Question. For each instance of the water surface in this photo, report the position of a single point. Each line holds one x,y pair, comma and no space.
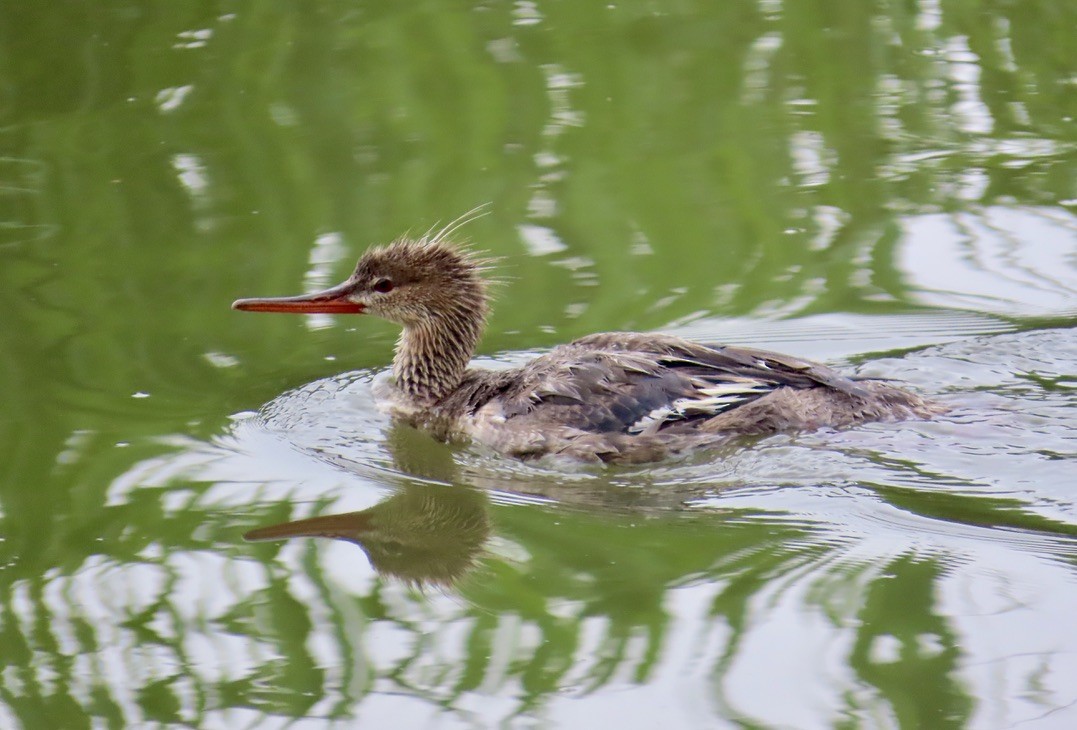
887,188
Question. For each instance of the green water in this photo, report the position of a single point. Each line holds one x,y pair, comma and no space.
889,187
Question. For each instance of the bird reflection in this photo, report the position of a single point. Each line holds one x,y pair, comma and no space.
425,534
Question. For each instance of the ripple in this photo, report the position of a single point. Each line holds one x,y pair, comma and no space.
982,260
996,468
835,335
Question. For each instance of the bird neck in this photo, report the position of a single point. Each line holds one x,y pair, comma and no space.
432,355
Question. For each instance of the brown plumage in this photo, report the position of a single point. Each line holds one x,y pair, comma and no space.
615,397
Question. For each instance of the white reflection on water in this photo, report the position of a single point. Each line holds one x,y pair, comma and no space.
327,251
1015,261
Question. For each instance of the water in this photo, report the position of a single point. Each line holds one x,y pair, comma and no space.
887,189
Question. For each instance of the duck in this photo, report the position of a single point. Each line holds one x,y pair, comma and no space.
607,398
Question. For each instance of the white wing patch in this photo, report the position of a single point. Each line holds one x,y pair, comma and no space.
710,399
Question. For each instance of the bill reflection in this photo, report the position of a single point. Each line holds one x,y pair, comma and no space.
422,535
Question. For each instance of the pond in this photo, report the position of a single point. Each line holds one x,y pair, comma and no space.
886,187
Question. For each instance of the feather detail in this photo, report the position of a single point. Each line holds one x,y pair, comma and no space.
608,397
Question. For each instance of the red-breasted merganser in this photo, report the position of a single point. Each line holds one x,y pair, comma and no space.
613,397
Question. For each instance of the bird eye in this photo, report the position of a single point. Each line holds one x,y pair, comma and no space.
383,286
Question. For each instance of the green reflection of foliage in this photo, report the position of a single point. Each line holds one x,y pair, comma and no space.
679,129
585,562
920,683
